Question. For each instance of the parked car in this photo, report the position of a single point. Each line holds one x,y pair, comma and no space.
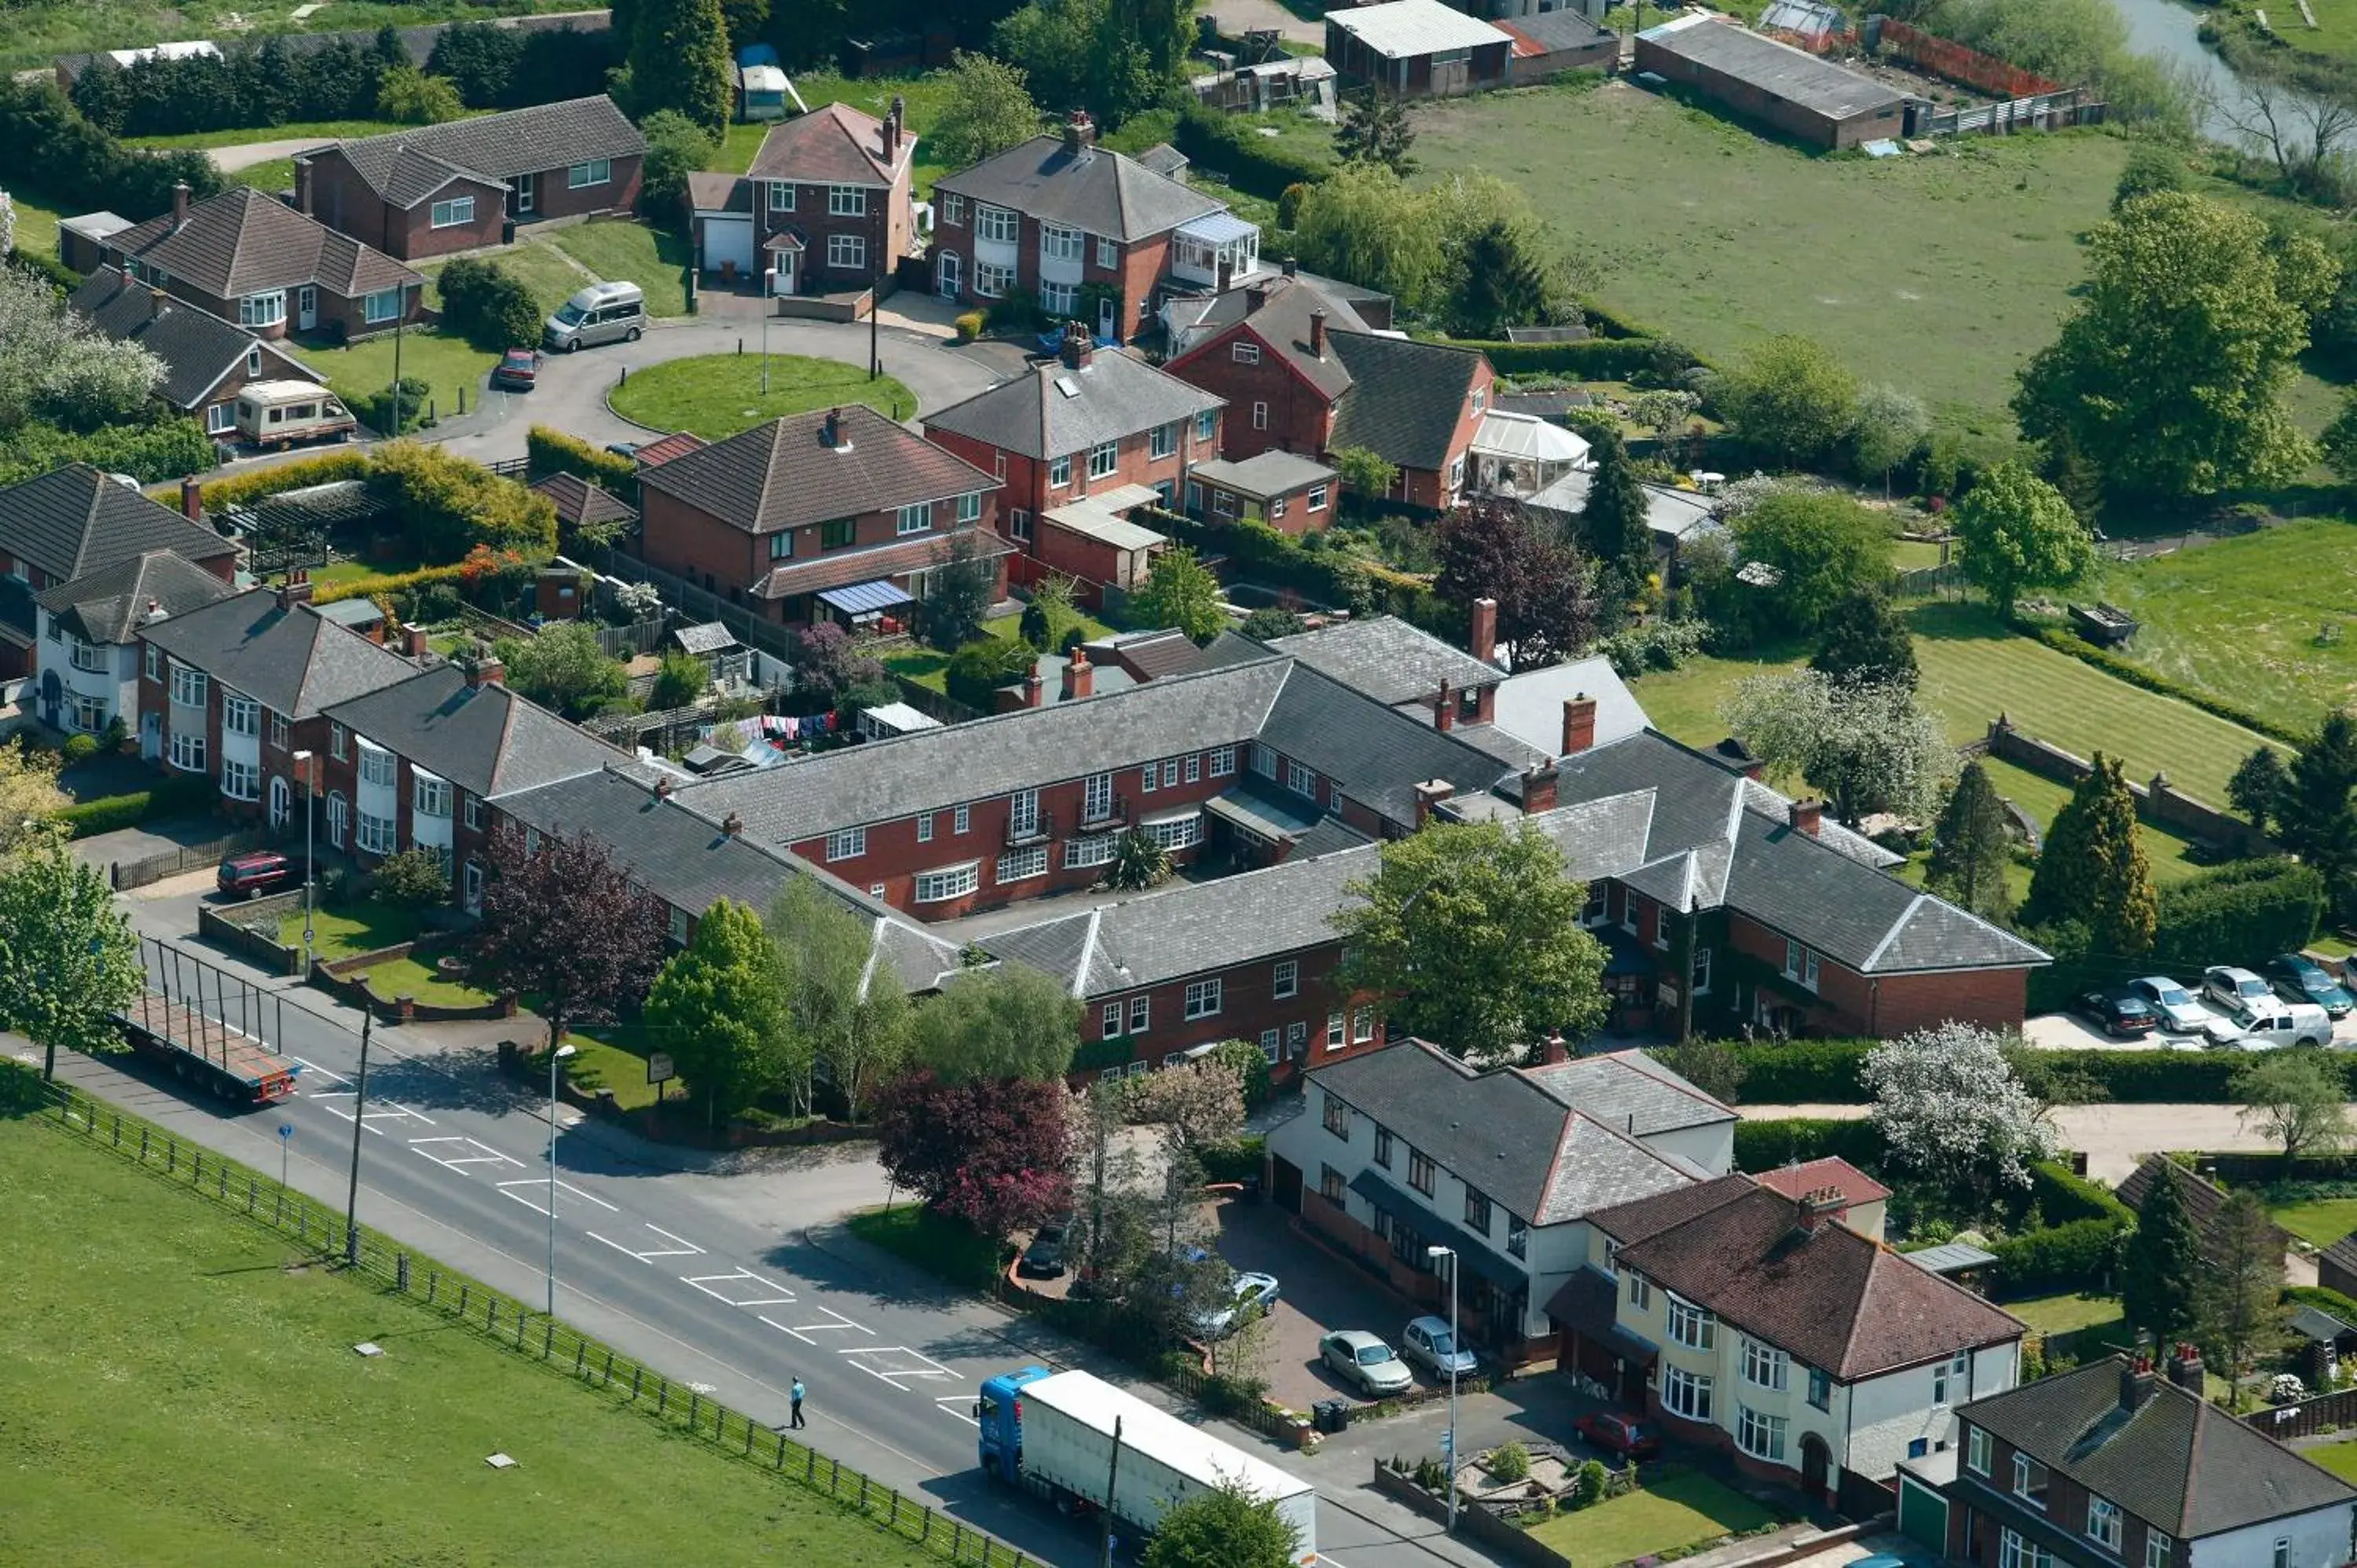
1044,1258
2119,1012
1617,1433
2232,988
1428,1342
518,370
2180,1013
251,876
2299,978
2271,1021
281,413
602,313
1250,1293
1366,1363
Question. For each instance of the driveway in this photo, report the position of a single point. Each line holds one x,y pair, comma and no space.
2115,1138
229,160
1237,18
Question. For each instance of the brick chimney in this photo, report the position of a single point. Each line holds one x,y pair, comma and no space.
192,500
1808,815
1317,334
2185,1369
1034,688
487,672
1079,348
1444,709
732,826
663,787
179,205
1080,132
1818,1207
1553,1049
1734,751
303,187
1079,676
1256,295
1430,794
1539,790
1578,723
1483,632
415,643
2137,1381
295,590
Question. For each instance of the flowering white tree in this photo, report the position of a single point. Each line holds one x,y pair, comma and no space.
1864,742
53,364
7,225
1950,1108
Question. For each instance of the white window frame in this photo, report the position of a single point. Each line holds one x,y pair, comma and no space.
429,796
915,518
1336,1031
2022,1466
847,252
1244,352
1316,497
2159,1548
1363,1025
1765,1365
781,196
1760,1434
952,207
336,737
962,819
241,780
2013,1552
1176,833
1979,1450
947,882
266,310
1108,253
1204,998
2103,1523
1687,1394
1141,1014
969,507
1097,797
1223,761
455,213
1260,416
475,812
596,171
1059,472
992,279
1206,424
188,687
1958,1368
846,844
1000,225
1162,441
471,887
1108,1018
1022,865
221,418
1057,243
279,730
1194,768
1096,850
375,835
378,766
1288,979
1104,460
241,714
1695,1327
847,202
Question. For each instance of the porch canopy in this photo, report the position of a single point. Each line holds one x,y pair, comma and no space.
865,598
1499,1270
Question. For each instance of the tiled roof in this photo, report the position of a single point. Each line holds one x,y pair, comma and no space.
2342,1253
241,241
580,500
841,568
1648,1216
1530,705
1631,1090
2205,1200
199,348
295,662
1167,651
833,146
486,740
710,192
1387,659
74,519
405,166
1406,397
1378,755
1827,1295
782,475
1281,320
1048,410
1804,1177
664,449
107,605
2175,1460
1097,189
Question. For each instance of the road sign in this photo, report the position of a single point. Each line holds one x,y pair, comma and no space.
286,1131
658,1067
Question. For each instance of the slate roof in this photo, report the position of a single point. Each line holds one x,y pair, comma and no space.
199,348
241,241
1405,398
2341,1254
408,165
293,661
73,521
1116,395
1378,755
781,474
1281,321
1389,659
2205,1200
833,146
1164,159
486,740
1096,190
1804,1177
1275,472
1529,707
2315,1322
1631,1090
107,605
1775,68
1545,1160
580,500
1553,32
2175,1461
711,192
1828,1295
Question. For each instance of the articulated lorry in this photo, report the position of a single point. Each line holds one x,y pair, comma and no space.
1053,1434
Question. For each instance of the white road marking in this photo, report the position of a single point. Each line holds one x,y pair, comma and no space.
315,1066
388,1111
960,1406
753,1290
894,1362
804,1331
467,1151
542,1184
685,1248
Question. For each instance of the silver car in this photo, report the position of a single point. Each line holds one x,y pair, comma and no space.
1365,1363
1428,1342
2231,987
1255,1293
2180,1013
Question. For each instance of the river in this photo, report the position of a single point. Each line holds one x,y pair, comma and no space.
2168,30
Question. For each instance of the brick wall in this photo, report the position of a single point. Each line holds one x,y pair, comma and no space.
1298,415
1848,1003
886,226
1249,1006
343,201
1140,265
2159,802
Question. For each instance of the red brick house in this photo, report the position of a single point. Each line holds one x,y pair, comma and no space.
827,204
266,268
207,362
1299,373
1087,422
838,514
429,191
1088,232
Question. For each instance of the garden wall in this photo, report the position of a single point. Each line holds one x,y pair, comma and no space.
252,931
347,980
2159,802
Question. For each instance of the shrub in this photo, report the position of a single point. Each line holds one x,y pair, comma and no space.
1763,1145
978,670
164,449
489,305
2063,1197
682,679
1591,1483
1016,311
970,324
1509,1462
2244,913
2059,1257
1239,1159
554,452
81,747
1803,1072
413,879
1250,1065
415,408
1252,163
117,734
447,504
407,96
676,147
172,797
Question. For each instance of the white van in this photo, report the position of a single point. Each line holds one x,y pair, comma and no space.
602,313
280,414
2262,1026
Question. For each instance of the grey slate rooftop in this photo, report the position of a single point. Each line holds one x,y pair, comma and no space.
1052,409
1275,472
1094,189
293,660
1388,660
1405,396
486,740
198,350
1776,69
75,520
108,605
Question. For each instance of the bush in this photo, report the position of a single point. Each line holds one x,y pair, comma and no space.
409,97
676,147
416,407
79,749
2059,1257
81,166
970,324
1237,1160
489,305
978,670
1591,1484
681,680
172,797
447,504
413,879
554,452
1509,1462
242,489
1250,1067
1763,1145
2063,1197
1803,1072
163,450
1252,163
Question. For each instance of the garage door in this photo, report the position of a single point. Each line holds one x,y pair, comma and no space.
727,239
1923,1514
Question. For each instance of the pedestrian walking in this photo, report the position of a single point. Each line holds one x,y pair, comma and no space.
795,1395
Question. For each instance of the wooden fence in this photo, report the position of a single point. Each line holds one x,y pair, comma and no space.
2325,1413
702,605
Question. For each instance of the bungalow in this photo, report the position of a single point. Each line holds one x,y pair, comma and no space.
207,362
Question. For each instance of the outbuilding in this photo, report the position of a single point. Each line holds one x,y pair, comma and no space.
1812,100
1418,48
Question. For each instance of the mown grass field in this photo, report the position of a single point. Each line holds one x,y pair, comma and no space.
451,366
39,30
654,259
717,395
156,1348
550,273
2320,1220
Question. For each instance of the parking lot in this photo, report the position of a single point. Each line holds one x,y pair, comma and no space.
2070,1031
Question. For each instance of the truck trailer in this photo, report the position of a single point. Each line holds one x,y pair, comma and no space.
1053,1434
205,1052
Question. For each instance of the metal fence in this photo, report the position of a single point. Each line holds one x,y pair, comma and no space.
516,1327
130,874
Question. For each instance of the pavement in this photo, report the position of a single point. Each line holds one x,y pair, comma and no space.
229,160
2115,1138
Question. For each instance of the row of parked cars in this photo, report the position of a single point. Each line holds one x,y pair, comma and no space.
2294,1001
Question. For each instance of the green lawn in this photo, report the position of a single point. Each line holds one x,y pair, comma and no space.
717,395
2085,1324
39,30
407,977
945,1247
36,224
2341,1458
209,1374
545,271
1683,1509
599,1063
2321,1220
931,670
654,259
871,95
359,927
269,177
326,130
454,368
350,571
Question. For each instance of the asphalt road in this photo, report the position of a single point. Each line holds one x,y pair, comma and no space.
454,1163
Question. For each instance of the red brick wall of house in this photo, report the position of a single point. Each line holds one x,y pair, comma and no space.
274,367
618,194
692,544
1428,487
1849,1003
887,226
1025,485
1141,265
1300,416
2065,1500
343,201
1248,1007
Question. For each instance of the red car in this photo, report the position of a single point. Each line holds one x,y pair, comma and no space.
251,876
1617,1434
518,369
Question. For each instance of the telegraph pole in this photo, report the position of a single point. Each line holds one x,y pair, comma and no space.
360,1125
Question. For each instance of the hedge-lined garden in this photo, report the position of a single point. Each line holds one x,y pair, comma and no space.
1825,1073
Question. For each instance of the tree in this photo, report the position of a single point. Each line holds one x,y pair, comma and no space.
1715,1067
958,594
1138,864
998,1023
1364,224
2170,376
1227,1526
676,147
830,664
682,679
488,304
412,879
1788,399
1272,621
447,504
2298,1099
407,96
1865,743
1821,547
1505,278
1468,936
562,921
54,365
1374,130
2312,816
563,668
718,1007
986,109
1971,848
29,800
850,1016
7,226
2019,532
679,60
1664,411
989,1152
2257,787
2239,1301
1888,425
2339,441
1491,548
479,60
1866,638
2093,868
1181,591
68,955
1367,476
1616,522
2160,1268
2152,168
1949,1106
1254,1080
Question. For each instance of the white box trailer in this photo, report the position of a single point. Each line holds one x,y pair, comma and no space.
1062,1428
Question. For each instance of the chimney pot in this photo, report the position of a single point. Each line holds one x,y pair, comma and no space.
1578,723
732,824
2185,1369
1034,688
487,672
1482,634
1808,816
295,590
155,612
1079,678
1080,346
1430,794
1555,1050
192,500
1539,791
1080,132
1444,709
2137,1381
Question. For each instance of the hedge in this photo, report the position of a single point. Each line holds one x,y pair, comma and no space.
2135,674
167,798
48,268
1764,1146
2246,912
387,583
163,450
1253,163
77,166
1589,359
554,452
2060,1257
328,468
1802,1072
1239,1161
2064,1197
2323,1300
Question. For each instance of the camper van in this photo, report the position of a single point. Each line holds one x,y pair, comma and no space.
602,313
280,414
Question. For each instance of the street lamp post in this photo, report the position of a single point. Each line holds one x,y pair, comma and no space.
303,760
1435,1254
558,1054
